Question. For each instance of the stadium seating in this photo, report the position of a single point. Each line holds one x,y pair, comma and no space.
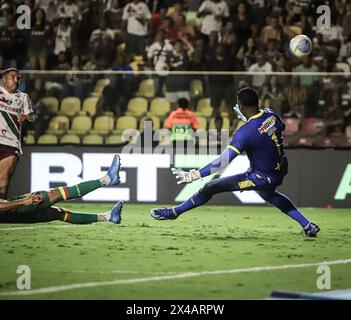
115,139
50,103
305,141
326,142
103,125
70,139
159,107
93,139
223,109
196,88
202,122
70,106
137,107
81,125
125,122
146,88
29,139
203,108
58,125
291,126
90,105
47,139
311,127
225,125
99,87
156,123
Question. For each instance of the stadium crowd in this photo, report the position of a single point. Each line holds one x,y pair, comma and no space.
191,35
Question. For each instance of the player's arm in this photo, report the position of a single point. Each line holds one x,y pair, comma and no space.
203,10
28,111
236,146
6,205
29,117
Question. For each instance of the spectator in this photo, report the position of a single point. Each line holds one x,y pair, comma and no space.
39,41
69,9
76,84
217,141
104,53
113,16
98,34
346,22
211,45
307,66
136,19
170,29
221,86
63,36
113,98
229,40
178,85
274,30
213,12
261,65
176,13
9,41
246,54
181,121
242,23
186,30
295,98
159,55
272,96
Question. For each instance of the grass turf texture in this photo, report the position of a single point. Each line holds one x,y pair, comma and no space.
206,239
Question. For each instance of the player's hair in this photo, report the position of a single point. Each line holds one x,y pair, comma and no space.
183,103
248,97
6,71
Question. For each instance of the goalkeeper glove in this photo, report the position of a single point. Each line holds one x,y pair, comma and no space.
186,176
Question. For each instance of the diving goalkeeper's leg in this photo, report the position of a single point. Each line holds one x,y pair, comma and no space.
283,203
232,183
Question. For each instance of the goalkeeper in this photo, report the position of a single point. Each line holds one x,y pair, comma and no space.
38,206
261,138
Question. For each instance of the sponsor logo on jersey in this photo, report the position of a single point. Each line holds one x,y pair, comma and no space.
267,124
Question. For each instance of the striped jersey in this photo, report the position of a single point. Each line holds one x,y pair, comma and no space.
11,105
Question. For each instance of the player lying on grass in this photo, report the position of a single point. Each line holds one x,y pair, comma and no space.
261,138
38,206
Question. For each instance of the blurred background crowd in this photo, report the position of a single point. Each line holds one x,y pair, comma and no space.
188,35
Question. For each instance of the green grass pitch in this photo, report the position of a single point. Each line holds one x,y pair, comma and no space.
147,259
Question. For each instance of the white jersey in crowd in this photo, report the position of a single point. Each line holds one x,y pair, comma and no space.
137,16
11,105
160,54
210,22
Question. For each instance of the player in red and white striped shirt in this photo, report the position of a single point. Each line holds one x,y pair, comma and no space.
15,108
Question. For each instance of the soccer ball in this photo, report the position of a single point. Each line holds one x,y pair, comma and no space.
300,46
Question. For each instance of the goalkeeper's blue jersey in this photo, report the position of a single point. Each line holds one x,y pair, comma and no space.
261,137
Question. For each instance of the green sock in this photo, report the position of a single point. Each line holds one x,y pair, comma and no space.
79,190
78,217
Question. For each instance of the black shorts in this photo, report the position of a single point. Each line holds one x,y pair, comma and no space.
7,151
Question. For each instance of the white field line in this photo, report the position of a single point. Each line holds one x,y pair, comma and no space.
166,277
44,227
120,271
89,225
